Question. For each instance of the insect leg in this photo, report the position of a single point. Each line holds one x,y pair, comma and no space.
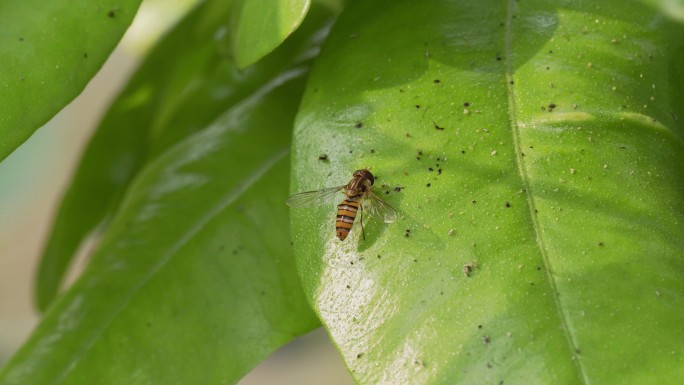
363,232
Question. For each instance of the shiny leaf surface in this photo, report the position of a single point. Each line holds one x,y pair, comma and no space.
194,281
533,152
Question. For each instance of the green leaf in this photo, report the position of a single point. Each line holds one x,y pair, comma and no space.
123,141
48,53
259,26
194,281
170,97
533,152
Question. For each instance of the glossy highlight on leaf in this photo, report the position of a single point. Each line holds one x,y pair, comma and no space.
532,150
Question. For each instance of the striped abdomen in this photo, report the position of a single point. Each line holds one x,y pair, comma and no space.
346,213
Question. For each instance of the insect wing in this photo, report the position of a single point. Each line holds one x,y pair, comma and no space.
379,209
313,198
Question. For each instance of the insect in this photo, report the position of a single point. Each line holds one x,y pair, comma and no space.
359,198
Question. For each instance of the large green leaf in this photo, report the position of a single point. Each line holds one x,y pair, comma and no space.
536,150
49,50
185,83
194,281
259,26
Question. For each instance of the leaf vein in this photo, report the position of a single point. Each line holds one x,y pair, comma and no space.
229,198
515,132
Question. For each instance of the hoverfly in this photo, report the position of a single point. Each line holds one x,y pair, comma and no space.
359,198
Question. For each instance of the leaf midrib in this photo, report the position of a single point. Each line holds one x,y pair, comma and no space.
529,196
229,198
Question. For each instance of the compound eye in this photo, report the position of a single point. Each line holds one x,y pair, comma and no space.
365,174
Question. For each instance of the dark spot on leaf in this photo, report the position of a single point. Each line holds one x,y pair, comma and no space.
439,171
486,340
85,55
323,157
437,81
359,355
112,13
511,82
398,189
463,152
417,105
466,104
430,169
473,201
428,185
438,127
372,150
601,244
21,39
358,125
508,204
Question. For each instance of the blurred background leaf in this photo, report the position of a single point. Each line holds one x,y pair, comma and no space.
194,281
170,97
48,53
533,151
259,26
